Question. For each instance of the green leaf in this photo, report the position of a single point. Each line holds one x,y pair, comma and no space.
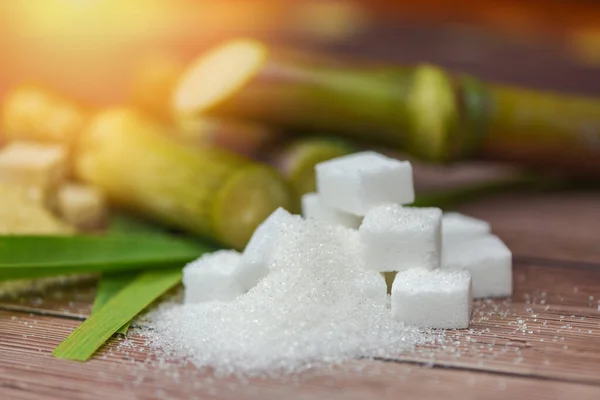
88,337
26,257
108,286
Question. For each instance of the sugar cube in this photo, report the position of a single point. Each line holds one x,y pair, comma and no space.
396,238
487,259
373,287
259,251
358,182
456,226
33,164
80,205
210,278
313,207
432,299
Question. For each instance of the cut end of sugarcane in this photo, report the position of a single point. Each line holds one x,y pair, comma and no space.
214,76
245,201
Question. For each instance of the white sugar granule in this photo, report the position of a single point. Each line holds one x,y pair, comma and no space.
308,312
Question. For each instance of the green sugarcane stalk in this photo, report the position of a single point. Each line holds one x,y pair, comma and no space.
423,109
543,129
207,191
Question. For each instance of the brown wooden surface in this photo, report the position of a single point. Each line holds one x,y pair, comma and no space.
542,343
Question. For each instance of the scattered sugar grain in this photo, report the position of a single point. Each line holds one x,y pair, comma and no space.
307,313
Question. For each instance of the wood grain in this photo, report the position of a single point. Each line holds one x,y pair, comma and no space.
28,371
542,343
73,301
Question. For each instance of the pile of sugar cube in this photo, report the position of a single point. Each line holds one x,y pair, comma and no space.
442,261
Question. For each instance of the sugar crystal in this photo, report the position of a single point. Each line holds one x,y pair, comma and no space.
318,306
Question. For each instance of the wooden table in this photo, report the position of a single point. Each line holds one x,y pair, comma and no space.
542,343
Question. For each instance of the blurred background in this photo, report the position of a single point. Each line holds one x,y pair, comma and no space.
90,49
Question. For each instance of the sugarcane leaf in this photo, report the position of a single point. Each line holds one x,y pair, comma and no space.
88,337
108,286
23,257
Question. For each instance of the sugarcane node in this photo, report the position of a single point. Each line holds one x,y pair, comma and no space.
475,106
433,114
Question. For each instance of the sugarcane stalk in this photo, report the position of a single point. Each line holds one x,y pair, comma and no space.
207,191
423,109
544,129
410,107
245,138
136,162
293,158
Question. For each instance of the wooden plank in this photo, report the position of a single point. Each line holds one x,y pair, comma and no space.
73,300
27,371
550,328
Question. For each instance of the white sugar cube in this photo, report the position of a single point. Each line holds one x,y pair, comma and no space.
210,278
358,182
259,251
314,208
487,259
432,299
396,238
456,226
373,287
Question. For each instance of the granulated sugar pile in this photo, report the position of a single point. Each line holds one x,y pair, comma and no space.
309,292
308,311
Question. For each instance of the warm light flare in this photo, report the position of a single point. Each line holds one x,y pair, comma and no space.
86,19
